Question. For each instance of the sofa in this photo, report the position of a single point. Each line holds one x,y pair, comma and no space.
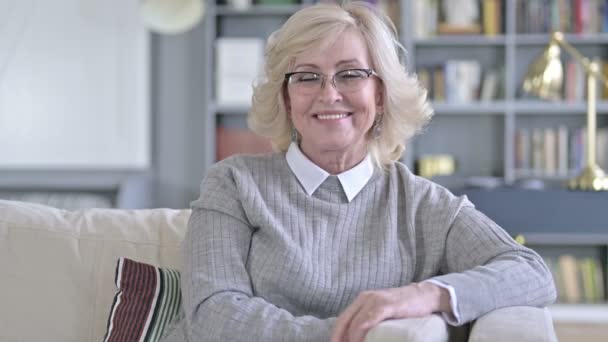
59,273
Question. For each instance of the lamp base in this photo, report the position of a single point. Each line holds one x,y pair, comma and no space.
592,178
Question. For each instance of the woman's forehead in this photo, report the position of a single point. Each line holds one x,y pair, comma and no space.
348,47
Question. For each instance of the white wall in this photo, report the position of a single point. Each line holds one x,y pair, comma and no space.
73,85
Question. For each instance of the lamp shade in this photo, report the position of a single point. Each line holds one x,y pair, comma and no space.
171,16
545,76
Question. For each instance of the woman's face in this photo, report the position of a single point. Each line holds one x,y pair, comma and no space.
332,120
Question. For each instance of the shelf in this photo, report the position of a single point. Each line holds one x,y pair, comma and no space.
94,180
260,10
231,109
542,107
528,173
581,313
460,40
543,39
473,108
560,239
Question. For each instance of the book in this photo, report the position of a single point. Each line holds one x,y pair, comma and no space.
569,271
578,149
426,14
239,62
459,17
537,151
522,149
492,17
462,80
562,150
599,282
604,90
588,270
601,147
439,84
564,10
574,81
550,152
230,141
489,86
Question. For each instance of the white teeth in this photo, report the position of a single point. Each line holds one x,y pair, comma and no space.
331,116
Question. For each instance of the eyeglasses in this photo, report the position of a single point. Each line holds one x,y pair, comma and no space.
345,81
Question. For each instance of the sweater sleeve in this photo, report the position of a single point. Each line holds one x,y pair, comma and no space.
489,270
218,299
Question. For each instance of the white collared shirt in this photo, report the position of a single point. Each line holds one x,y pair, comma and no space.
311,176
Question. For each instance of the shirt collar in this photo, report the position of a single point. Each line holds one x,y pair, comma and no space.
312,176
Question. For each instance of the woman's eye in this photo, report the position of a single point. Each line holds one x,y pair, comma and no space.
350,74
307,78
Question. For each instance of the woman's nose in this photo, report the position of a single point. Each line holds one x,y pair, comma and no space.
329,93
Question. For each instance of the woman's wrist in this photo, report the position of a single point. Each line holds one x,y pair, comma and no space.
439,296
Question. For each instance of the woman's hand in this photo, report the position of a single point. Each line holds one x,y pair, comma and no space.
373,307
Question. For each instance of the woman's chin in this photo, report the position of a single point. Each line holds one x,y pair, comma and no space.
338,146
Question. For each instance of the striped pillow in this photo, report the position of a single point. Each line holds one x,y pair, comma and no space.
146,300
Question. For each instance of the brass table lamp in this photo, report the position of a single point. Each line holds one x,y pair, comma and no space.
545,78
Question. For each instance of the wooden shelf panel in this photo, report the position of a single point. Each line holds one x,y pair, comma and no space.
476,108
542,107
231,109
528,173
544,38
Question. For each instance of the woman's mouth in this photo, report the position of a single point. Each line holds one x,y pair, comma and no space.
336,116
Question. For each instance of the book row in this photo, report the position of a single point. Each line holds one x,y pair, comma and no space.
556,151
457,17
570,16
578,279
460,81
532,16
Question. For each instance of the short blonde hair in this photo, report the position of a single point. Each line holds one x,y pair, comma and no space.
406,109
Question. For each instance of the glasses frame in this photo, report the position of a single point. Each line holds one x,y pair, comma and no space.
324,77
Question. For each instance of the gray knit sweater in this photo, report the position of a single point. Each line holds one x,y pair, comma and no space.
264,261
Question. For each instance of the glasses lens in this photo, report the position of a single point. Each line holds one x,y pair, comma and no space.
306,82
350,80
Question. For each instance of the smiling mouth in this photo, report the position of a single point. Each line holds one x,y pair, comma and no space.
332,116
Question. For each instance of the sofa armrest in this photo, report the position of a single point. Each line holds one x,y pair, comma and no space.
516,323
431,328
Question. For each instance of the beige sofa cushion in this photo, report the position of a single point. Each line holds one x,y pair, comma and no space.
515,323
58,266
423,329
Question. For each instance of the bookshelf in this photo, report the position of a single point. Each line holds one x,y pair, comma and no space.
558,224
509,52
495,120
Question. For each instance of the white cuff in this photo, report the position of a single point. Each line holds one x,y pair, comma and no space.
455,317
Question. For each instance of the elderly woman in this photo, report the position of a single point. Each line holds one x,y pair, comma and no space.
331,235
